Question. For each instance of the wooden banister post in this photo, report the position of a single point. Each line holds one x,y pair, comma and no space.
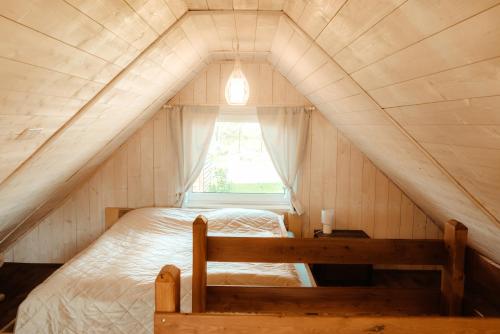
168,290
452,275
199,290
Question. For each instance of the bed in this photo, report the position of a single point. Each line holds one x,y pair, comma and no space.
109,287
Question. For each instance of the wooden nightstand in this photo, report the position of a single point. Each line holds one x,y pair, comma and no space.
342,274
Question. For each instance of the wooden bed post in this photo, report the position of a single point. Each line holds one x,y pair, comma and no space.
199,290
168,290
293,223
452,275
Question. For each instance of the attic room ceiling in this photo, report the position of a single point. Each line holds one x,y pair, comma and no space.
413,84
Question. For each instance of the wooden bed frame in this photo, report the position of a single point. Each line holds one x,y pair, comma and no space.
293,223
247,309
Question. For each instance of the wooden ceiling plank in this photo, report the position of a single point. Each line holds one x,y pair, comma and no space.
353,19
469,81
25,45
466,111
226,30
155,13
473,40
246,24
312,59
324,75
245,4
408,24
265,31
283,35
317,14
196,4
197,41
69,25
295,8
22,103
119,18
272,4
296,47
178,7
220,4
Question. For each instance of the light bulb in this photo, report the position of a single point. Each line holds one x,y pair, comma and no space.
237,90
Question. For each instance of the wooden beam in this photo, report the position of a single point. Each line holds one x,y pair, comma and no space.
333,300
168,290
334,251
452,276
177,323
199,282
293,223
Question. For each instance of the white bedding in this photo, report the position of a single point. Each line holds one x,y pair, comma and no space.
109,287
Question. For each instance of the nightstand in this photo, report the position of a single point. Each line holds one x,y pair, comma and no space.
342,274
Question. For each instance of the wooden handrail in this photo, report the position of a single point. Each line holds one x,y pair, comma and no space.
448,253
344,300
333,251
177,323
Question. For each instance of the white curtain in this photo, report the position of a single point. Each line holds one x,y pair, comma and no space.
191,129
285,132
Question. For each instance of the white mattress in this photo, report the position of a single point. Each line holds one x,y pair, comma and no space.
109,287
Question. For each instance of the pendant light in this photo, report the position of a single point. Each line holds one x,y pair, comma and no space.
237,89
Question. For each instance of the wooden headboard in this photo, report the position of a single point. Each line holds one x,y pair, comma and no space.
111,215
293,222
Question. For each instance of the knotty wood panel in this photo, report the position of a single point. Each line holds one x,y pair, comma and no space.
138,174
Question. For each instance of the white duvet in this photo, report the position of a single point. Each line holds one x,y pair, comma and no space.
109,287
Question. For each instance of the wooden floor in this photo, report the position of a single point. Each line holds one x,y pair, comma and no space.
16,281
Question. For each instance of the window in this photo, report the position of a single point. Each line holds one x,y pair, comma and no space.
238,170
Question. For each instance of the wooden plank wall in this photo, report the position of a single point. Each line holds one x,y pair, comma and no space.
335,174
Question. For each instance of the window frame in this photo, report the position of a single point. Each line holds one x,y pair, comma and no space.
277,202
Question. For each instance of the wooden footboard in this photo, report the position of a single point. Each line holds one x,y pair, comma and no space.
298,309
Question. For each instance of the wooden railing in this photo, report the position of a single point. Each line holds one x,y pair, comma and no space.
448,253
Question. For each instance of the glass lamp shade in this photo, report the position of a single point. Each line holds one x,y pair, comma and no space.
237,89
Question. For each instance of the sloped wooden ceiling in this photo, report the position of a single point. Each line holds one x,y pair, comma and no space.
414,84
